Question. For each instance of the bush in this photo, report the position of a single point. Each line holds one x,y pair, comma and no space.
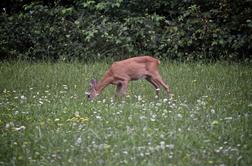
91,30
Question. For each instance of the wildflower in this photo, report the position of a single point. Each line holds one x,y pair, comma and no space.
179,116
65,87
228,118
77,114
125,152
210,162
56,120
153,118
170,146
78,119
139,98
8,125
23,97
78,141
172,96
142,117
98,117
20,128
162,145
212,111
165,100
215,122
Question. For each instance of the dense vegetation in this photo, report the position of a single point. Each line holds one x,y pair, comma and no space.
92,29
46,120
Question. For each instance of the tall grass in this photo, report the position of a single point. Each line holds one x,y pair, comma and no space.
45,118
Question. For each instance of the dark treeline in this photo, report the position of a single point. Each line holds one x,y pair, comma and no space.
94,29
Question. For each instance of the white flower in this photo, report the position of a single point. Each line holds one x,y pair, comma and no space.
23,97
142,117
228,118
170,146
125,152
98,117
77,113
56,120
20,128
78,141
179,116
8,125
162,145
153,120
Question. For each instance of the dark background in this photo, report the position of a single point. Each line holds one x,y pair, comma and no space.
187,30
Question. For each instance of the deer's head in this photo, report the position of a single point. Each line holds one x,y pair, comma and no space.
92,93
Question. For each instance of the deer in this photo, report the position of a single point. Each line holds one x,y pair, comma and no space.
121,72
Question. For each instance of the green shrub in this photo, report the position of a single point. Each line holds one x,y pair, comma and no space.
91,30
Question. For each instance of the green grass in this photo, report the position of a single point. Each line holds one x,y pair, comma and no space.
45,118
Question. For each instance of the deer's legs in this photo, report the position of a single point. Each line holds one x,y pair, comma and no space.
157,87
161,83
118,88
122,88
158,80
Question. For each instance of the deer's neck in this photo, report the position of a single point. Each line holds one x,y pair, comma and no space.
102,84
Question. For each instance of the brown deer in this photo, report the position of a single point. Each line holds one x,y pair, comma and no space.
121,72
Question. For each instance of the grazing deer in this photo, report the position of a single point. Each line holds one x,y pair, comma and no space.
121,72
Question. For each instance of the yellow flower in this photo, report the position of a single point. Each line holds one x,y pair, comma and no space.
78,119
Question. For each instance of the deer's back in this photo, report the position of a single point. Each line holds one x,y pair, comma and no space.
134,68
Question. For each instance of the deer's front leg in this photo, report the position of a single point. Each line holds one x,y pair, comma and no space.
156,86
158,80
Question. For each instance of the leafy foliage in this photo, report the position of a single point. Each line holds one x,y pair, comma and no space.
91,29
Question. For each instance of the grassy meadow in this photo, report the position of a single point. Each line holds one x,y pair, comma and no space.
45,118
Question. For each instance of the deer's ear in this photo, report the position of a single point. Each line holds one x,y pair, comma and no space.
93,82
